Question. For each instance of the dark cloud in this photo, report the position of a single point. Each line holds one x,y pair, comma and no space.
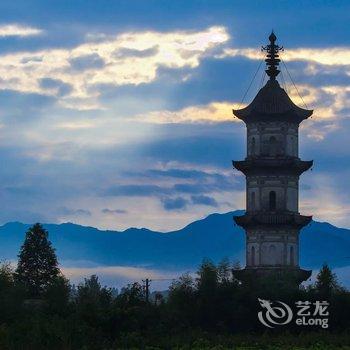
61,87
212,81
136,190
87,62
178,173
216,183
126,52
177,203
180,203
204,200
178,88
70,212
23,107
325,75
205,144
33,58
113,211
191,188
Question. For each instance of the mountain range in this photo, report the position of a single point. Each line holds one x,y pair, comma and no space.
214,237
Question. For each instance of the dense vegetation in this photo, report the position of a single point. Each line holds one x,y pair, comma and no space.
39,309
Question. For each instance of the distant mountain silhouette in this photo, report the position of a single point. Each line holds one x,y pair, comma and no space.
214,237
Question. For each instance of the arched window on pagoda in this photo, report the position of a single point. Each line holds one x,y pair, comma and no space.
253,147
272,254
292,146
272,201
252,200
291,254
273,146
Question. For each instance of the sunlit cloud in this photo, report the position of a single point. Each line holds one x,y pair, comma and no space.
324,56
213,112
76,125
330,105
130,58
18,30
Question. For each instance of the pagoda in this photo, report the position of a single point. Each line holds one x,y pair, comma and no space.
272,168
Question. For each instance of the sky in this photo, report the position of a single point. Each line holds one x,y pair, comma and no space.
118,114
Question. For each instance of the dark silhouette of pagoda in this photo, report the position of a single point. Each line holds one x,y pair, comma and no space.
272,167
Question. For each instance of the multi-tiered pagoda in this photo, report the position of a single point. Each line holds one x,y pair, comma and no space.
272,167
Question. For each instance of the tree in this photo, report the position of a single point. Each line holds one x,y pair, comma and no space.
37,262
207,288
93,300
132,295
10,295
207,280
224,271
326,281
58,295
91,292
181,302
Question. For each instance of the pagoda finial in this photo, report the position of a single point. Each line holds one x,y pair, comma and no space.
272,60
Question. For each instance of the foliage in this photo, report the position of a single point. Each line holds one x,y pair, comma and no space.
37,262
326,282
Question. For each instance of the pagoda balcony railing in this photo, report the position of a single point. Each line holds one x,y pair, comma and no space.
250,219
252,165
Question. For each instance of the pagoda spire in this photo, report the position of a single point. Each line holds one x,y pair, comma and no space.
272,58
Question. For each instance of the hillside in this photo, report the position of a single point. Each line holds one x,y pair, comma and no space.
214,237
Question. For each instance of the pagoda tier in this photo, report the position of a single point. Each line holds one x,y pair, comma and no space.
272,104
263,220
256,166
283,274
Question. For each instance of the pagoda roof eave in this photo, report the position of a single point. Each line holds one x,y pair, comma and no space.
256,166
294,116
272,103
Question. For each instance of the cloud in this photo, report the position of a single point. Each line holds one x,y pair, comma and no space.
213,112
136,190
113,211
322,74
92,64
337,56
188,172
330,104
57,86
217,183
325,201
177,203
119,275
177,173
205,200
180,203
126,52
87,62
73,212
18,30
